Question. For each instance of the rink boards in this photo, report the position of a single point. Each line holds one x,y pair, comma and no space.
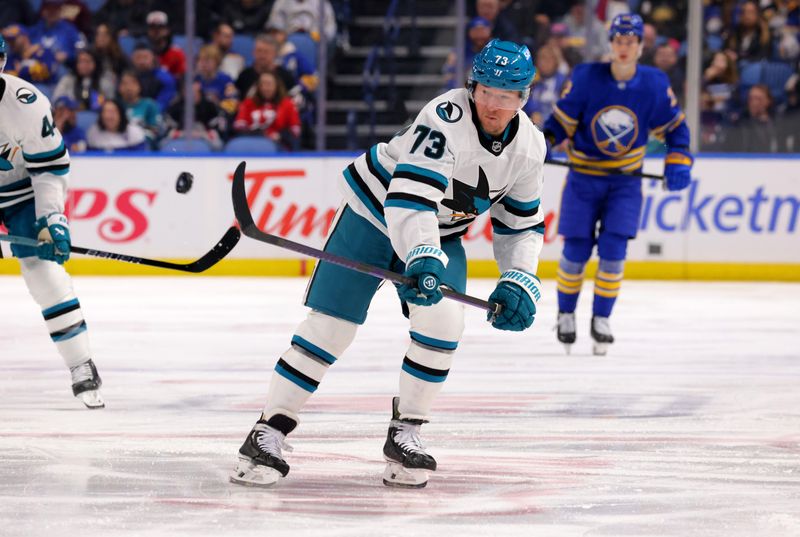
738,219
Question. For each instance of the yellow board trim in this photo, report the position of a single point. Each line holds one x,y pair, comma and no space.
634,270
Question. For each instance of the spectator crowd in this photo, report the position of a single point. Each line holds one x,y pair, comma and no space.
115,69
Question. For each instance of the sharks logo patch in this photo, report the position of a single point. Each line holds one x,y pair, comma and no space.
449,111
470,201
26,96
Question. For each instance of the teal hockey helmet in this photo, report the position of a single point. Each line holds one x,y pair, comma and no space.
503,65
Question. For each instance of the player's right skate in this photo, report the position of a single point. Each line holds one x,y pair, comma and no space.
261,461
86,384
601,334
566,329
407,464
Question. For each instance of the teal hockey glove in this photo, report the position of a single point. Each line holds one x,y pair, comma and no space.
678,169
517,292
54,238
425,264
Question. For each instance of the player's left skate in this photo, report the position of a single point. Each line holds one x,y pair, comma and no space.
601,335
86,384
261,461
407,463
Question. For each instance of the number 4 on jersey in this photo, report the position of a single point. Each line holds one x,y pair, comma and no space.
48,127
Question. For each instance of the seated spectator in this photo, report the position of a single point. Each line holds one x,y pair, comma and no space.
232,63
666,60
578,20
720,80
756,131
67,124
265,59
479,32
501,26
85,83
26,60
302,69
54,33
246,16
750,39
649,43
159,35
111,60
303,16
269,111
569,54
217,87
547,86
77,13
113,132
142,111
209,121
16,12
128,17
156,82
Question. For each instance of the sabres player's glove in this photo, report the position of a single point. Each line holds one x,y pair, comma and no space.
425,265
517,292
54,239
678,168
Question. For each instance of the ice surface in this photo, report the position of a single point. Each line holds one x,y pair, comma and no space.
690,426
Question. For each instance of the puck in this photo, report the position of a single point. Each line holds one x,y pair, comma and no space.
184,182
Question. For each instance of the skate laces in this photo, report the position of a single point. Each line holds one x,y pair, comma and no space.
602,325
82,372
565,323
407,436
271,440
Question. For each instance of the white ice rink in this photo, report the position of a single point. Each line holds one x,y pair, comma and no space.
691,426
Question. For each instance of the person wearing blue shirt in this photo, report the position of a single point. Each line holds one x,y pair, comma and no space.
605,114
66,121
55,34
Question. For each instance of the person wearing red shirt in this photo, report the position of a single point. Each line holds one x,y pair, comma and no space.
172,58
270,111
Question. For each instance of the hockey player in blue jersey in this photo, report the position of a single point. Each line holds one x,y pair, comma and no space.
605,113
34,169
407,204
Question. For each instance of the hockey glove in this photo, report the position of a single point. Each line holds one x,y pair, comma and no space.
425,264
54,239
517,292
678,168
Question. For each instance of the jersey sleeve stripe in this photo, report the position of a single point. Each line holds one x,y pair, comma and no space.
520,208
46,156
409,171
420,179
55,169
357,185
375,167
403,200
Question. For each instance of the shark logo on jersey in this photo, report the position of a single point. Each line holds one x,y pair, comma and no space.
449,111
615,129
5,162
471,201
26,96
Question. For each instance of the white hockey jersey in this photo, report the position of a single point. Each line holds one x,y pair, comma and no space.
34,163
435,176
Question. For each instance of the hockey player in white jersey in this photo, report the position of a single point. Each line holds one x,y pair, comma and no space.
407,203
34,169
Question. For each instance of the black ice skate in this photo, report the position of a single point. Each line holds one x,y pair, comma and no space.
407,463
601,334
261,461
86,384
566,329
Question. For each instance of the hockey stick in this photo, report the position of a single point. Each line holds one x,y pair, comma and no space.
220,250
615,171
242,211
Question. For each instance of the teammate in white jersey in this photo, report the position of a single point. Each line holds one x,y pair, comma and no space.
34,169
407,203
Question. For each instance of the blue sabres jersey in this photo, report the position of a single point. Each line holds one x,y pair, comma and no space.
608,122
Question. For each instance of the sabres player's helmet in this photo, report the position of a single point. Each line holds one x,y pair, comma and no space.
3,54
626,24
503,65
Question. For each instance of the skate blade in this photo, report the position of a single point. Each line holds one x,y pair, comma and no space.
600,349
92,399
254,475
395,475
